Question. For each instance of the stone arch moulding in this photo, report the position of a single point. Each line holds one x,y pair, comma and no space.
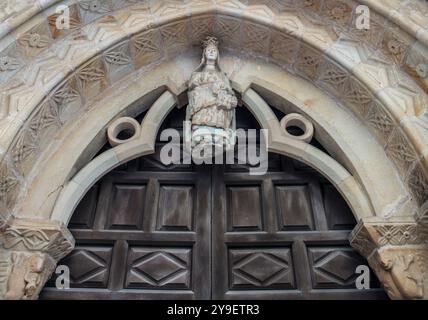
52,80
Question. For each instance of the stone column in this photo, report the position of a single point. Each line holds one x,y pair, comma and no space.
29,252
397,251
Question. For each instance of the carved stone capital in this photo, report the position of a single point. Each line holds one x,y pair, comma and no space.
23,274
402,270
397,251
29,251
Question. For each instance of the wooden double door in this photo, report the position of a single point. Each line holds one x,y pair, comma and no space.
149,231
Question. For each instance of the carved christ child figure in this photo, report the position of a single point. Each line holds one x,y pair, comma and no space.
211,98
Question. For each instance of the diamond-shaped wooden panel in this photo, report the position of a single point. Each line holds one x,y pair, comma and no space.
261,268
334,267
89,266
163,268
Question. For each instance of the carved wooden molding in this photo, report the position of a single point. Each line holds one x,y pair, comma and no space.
29,251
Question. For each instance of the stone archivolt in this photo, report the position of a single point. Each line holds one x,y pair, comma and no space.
49,76
359,77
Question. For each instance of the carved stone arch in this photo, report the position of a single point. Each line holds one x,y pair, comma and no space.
380,87
278,142
94,123
366,93
62,165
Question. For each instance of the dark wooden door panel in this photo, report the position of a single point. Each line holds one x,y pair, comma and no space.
126,210
293,207
337,212
142,235
282,235
175,211
90,265
147,234
153,231
213,232
244,208
159,268
260,268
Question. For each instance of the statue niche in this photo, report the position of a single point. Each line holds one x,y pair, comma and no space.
210,115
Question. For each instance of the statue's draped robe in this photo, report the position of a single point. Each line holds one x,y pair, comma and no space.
211,99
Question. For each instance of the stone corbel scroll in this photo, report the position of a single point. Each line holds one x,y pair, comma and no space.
29,252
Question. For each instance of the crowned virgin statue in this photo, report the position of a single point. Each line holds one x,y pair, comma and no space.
212,103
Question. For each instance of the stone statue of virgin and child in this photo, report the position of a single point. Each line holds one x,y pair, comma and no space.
211,110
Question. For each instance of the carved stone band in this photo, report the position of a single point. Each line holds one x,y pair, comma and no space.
29,251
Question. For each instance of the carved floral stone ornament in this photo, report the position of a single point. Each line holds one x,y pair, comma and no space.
95,6
35,40
210,114
8,64
395,46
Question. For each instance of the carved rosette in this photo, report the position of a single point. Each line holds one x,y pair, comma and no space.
29,252
397,251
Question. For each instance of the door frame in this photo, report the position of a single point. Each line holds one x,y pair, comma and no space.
277,141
